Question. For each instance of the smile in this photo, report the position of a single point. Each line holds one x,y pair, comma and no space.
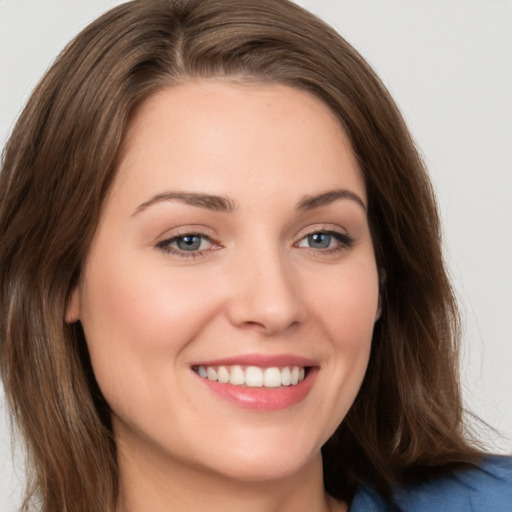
253,376
259,382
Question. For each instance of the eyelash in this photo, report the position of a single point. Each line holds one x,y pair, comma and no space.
166,247
345,241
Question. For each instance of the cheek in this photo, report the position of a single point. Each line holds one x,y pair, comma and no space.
349,303
143,305
347,310
138,322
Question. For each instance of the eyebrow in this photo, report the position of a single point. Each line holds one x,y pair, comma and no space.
325,198
226,205
208,201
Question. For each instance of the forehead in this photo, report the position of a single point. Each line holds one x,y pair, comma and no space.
198,134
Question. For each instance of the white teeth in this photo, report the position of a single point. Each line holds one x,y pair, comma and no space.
253,376
237,376
272,378
286,376
223,374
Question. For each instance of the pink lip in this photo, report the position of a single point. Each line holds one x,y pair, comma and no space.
262,399
261,360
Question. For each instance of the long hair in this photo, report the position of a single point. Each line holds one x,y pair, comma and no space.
59,163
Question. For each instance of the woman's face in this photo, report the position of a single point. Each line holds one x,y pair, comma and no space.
230,292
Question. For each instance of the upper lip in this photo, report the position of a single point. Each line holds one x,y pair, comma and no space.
261,360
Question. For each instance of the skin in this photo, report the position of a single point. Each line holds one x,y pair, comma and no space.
257,285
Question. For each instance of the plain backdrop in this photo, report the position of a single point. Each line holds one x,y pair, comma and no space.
448,64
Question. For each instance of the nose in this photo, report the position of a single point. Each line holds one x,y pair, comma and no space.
265,295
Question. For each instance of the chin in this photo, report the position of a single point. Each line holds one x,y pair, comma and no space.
262,471
265,464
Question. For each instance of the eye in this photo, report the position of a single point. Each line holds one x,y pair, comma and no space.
190,242
326,241
318,241
186,244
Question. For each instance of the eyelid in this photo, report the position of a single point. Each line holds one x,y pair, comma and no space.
345,239
186,229
174,238
165,241
322,228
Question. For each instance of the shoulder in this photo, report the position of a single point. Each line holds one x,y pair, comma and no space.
482,489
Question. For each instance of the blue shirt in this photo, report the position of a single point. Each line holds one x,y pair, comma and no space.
484,489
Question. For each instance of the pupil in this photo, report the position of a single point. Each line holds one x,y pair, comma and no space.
189,243
320,240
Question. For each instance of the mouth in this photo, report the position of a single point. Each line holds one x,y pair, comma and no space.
254,376
258,382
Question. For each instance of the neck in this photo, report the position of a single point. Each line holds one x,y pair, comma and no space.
162,486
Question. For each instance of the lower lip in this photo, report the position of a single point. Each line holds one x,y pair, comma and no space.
263,399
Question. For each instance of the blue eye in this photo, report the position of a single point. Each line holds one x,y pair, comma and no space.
319,240
326,241
187,244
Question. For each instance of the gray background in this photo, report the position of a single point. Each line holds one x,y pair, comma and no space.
448,63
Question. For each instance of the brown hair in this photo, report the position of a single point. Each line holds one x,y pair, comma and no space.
57,169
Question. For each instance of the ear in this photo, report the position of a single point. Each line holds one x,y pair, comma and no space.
73,306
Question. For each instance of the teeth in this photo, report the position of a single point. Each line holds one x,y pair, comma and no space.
253,376
272,378
237,376
294,379
223,374
286,376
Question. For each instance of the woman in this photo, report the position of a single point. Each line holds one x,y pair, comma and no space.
222,283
